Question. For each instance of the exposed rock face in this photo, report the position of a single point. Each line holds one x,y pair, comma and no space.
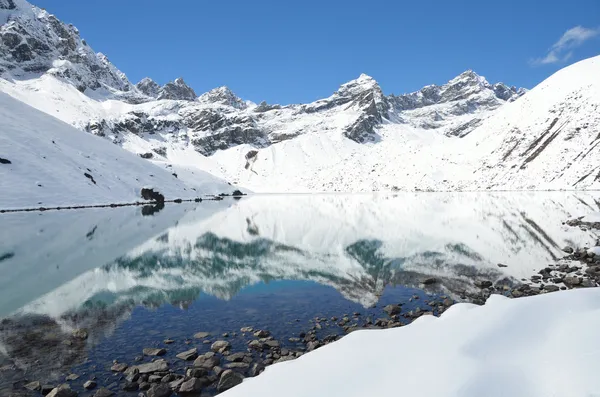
177,90
223,96
148,87
34,41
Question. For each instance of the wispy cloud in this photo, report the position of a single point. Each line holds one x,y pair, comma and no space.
562,50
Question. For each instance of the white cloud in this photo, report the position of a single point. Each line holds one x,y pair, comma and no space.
561,51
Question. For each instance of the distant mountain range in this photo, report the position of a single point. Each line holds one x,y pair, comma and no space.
467,134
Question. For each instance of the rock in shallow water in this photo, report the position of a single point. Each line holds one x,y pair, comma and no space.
103,393
90,384
188,355
151,351
161,390
228,380
62,391
207,361
34,386
220,346
192,385
156,366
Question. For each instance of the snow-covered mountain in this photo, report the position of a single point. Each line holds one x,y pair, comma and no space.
465,134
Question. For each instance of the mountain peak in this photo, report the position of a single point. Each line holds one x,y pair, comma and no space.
177,90
148,87
222,95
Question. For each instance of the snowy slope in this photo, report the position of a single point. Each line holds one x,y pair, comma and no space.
550,138
52,163
529,347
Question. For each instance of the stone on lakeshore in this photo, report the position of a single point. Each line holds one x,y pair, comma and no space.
551,288
228,380
246,329
159,390
103,392
90,384
118,367
130,386
235,357
220,346
72,377
152,351
430,281
483,283
81,334
188,355
145,386
254,344
168,378
201,335
271,343
207,361
196,372
240,365
571,280
168,341
218,370
192,385
389,309
34,386
256,369
262,333
62,391
156,366
568,250
176,384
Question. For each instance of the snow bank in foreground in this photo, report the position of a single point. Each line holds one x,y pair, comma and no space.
542,346
46,162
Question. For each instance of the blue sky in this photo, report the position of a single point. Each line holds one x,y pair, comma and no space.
298,51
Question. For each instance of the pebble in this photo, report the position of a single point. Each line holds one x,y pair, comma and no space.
201,335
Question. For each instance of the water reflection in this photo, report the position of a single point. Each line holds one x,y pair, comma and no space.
90,269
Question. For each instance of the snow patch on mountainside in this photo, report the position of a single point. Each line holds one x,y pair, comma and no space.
49,163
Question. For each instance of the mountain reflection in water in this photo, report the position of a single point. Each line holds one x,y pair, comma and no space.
67,271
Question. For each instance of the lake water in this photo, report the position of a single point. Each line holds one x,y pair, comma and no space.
134,277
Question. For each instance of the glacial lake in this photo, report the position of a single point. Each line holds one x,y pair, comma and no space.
134,277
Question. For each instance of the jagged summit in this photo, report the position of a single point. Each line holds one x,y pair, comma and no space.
34,42
148,87
224,96
177,90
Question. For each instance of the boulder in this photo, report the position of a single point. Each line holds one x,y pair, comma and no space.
159,390
151,351
228,379
220,346
188,355
193,385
